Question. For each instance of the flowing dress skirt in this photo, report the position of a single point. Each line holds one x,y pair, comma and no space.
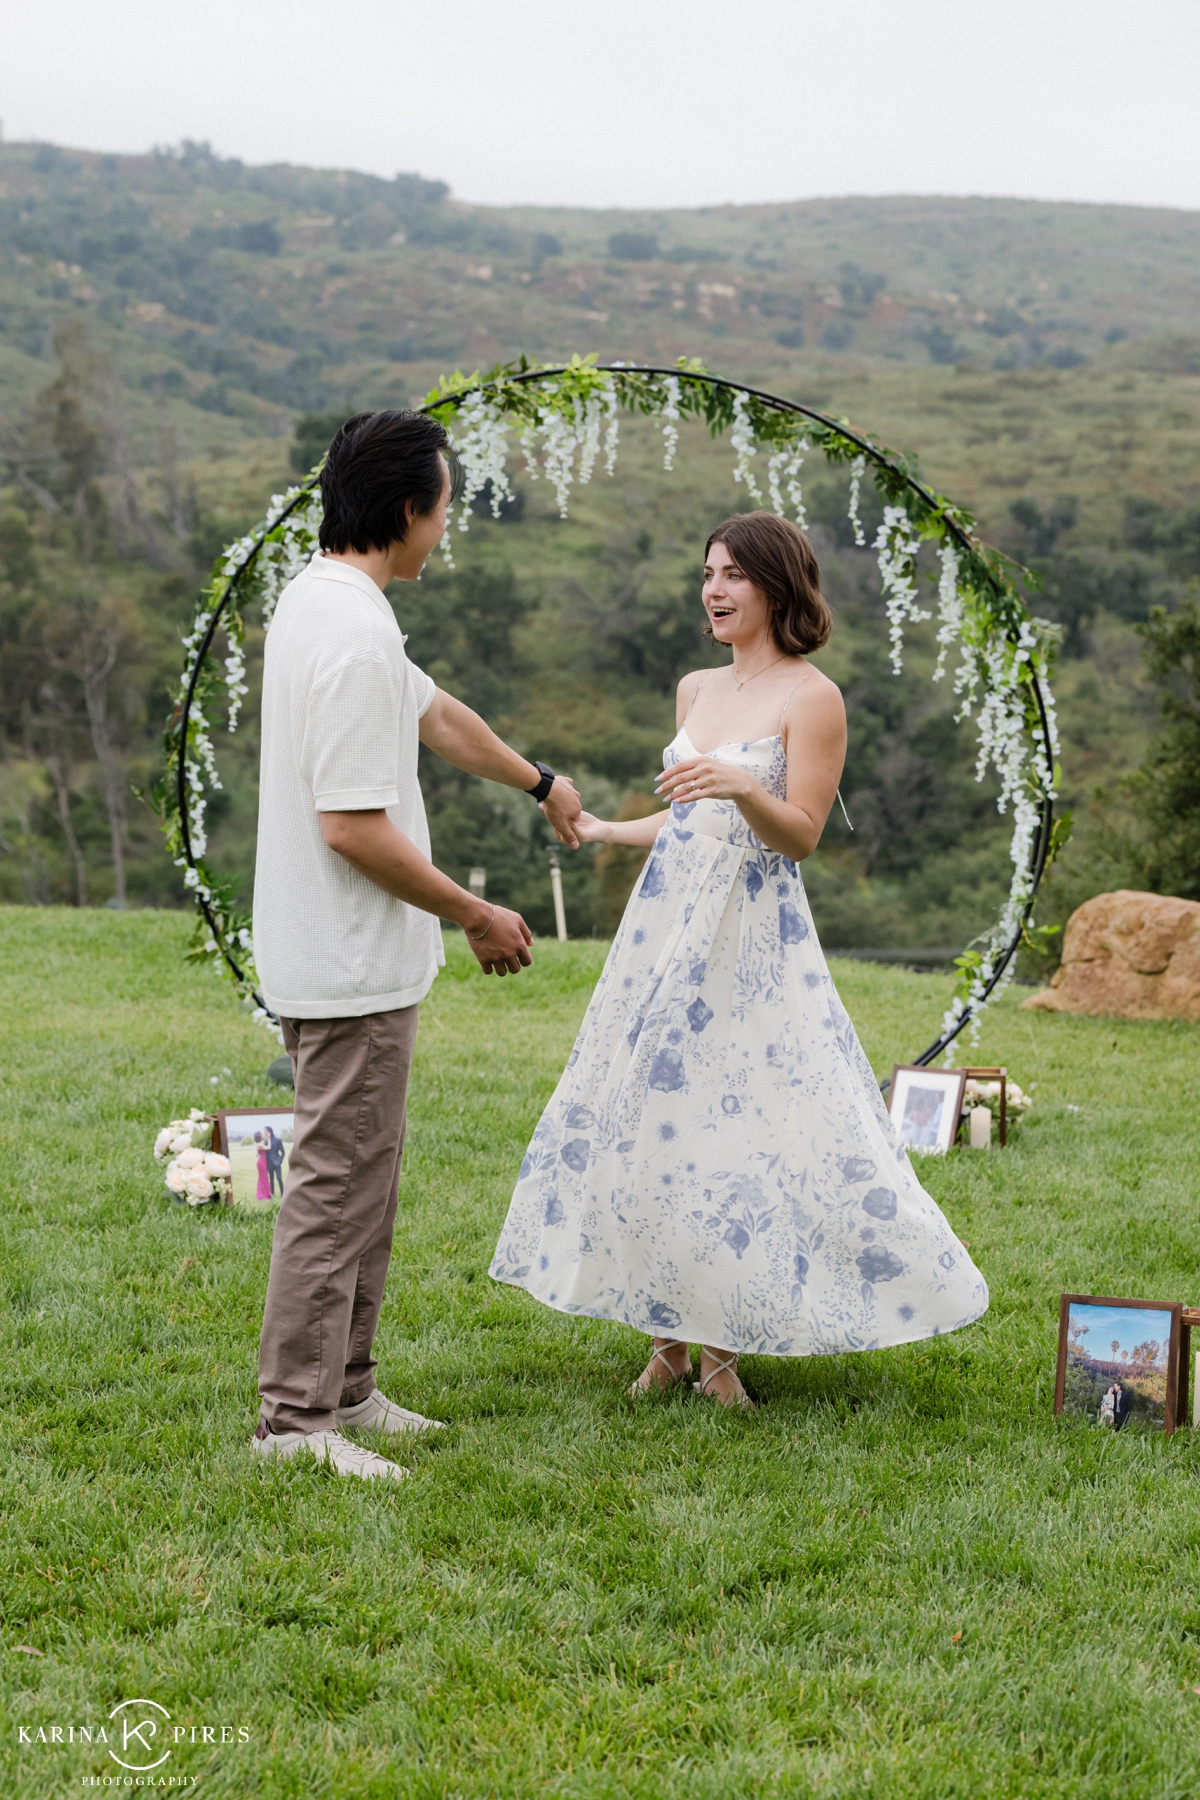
716,1163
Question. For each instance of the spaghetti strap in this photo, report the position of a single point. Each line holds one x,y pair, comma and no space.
787,702
783,716
687,715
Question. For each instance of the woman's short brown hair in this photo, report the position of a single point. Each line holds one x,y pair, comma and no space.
777,557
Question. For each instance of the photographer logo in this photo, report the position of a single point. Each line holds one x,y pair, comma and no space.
139,1736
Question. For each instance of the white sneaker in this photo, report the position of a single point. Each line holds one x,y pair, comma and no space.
378,1413
330,1447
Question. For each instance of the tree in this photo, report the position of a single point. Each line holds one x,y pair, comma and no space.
76,641
1166,789
67,444
1042,530
86,647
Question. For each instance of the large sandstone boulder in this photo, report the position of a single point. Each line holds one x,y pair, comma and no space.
1132,956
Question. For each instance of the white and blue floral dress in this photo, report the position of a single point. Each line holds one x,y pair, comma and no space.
716,1163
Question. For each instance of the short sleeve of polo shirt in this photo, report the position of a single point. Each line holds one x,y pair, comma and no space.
353,731
424,687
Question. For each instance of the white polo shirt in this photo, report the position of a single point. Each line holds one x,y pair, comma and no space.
340,711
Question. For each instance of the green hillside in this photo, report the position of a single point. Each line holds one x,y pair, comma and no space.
255,290
166,320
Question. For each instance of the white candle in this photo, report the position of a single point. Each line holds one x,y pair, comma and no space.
981,1127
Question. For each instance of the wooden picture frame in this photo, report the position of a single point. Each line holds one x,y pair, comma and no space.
1121,1371
913,1127
1000,1075
231,1141
1191,1316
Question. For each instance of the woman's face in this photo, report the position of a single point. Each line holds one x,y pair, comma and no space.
739,612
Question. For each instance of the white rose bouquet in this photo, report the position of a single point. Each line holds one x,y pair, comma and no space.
987,1093
195,1173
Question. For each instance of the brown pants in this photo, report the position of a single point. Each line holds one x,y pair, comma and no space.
333,1236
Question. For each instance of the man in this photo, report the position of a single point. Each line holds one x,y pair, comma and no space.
275,1155
1120,1406
922,1116
346,911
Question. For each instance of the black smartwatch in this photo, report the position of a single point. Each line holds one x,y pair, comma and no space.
545,784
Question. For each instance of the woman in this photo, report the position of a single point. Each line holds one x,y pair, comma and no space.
263,1191
716,1164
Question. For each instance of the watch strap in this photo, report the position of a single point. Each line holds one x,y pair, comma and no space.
545,783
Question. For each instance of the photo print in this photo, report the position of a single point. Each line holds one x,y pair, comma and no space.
1118,1362
926,1107
258,1144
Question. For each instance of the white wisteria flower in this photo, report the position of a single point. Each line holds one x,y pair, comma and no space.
745,446
857,470
897,544
784,465
670,418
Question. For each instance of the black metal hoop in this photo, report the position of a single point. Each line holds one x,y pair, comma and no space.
181,773
1041,845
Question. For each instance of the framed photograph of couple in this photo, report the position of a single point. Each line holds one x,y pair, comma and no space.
926,1106
258,1143
1122,1363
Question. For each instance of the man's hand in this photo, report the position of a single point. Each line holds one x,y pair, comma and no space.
504,948
562,806
374,846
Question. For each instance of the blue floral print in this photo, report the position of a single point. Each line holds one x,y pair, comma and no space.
716,1162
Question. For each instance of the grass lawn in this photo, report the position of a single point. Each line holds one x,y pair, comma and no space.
901,1577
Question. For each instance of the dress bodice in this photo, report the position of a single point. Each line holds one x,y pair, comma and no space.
764,758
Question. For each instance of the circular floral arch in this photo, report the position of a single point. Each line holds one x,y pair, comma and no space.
568,419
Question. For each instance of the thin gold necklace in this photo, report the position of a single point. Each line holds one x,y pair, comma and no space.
741,684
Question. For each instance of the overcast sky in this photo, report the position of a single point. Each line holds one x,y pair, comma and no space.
638,102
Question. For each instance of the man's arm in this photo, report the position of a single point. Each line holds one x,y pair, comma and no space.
459,736
373,845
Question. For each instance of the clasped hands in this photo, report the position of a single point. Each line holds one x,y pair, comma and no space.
562,806
697,778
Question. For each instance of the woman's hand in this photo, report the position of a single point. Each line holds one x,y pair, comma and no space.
704,778
591,830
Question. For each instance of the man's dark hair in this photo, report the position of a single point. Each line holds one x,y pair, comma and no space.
376,463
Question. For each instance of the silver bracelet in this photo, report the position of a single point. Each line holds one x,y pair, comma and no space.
484,932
